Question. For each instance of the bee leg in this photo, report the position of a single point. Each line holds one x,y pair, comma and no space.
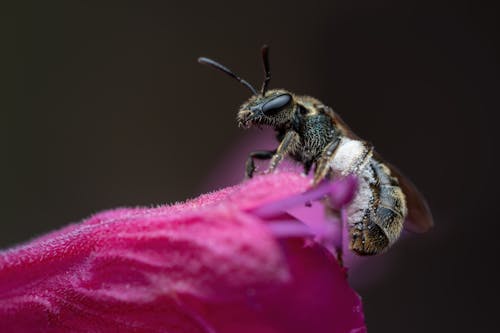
360,160
287,144
340,255
261,155
307,167
322,166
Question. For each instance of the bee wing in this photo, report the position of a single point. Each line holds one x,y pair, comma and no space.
346,130
419,218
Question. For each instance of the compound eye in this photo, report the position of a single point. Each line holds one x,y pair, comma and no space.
276,104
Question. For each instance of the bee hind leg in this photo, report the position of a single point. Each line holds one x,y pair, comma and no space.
368,239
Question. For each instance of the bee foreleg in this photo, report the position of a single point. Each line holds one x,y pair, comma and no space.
261,155
287,145
323,164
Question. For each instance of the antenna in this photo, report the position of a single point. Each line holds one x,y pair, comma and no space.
216,65
267,69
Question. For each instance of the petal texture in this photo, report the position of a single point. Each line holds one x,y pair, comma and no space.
207,265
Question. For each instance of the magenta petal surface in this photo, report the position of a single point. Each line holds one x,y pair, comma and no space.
206,265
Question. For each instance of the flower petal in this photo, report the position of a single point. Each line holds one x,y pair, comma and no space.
135,259
318,299
206,265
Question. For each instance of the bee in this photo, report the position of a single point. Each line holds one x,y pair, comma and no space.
311,133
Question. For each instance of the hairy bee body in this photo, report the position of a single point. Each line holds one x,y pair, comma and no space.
378,211
314,135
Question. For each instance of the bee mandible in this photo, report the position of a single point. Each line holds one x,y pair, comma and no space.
311,133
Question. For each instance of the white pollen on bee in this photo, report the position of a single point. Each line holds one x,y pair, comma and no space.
346,158
347,155
364,196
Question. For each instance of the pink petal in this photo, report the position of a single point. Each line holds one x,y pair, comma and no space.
317,300
207,265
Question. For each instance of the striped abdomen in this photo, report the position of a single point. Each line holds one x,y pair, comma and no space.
377,214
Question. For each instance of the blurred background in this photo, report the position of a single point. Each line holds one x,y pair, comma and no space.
103,105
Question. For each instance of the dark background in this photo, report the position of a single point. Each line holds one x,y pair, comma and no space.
104,105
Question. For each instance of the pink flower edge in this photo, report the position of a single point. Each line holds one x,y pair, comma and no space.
215,263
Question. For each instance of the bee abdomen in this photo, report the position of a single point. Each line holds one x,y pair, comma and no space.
384,213
390,211
367,238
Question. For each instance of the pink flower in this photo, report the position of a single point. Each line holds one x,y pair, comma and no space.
249,258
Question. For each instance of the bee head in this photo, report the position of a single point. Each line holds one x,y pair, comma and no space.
273,107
